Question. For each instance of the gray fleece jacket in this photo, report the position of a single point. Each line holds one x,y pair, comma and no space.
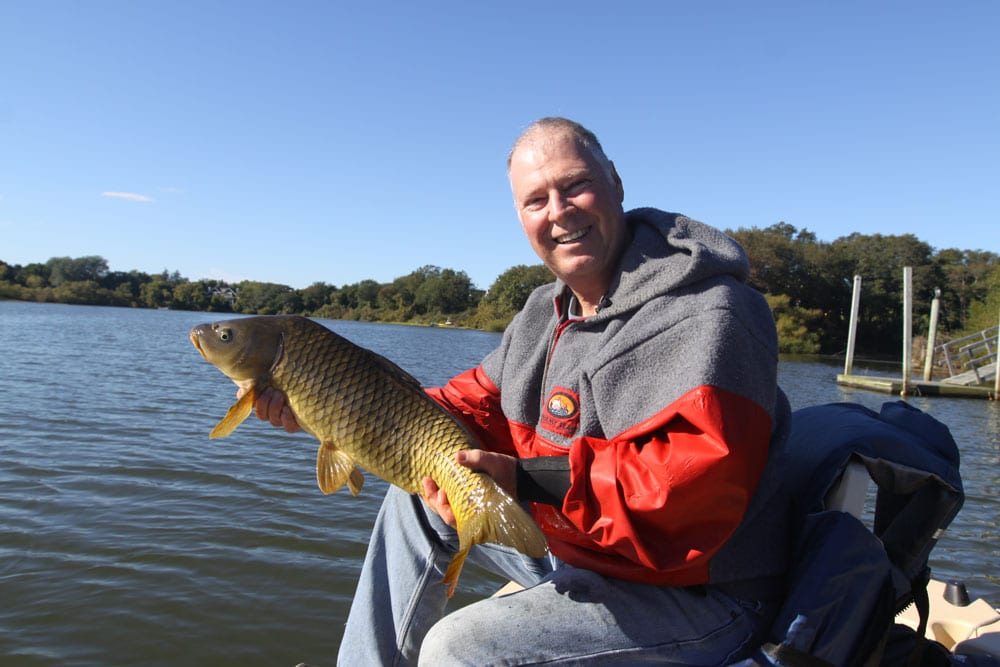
665,402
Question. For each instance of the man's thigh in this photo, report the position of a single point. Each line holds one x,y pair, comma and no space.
579,617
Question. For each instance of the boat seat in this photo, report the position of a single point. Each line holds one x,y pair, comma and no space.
848,494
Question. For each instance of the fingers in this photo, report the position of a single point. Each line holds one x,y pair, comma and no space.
501,467
272,407
288,421
437,500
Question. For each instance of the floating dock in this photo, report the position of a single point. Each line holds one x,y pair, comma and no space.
978,352
887,385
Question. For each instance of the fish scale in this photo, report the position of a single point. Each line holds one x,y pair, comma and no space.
366,412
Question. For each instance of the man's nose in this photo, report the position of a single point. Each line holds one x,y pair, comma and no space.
559,205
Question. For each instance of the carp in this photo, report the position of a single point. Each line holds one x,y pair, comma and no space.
365,411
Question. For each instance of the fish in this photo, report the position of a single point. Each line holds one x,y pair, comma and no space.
368,413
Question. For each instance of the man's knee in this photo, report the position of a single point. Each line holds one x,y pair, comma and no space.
449,642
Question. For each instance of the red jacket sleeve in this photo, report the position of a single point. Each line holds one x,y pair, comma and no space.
657,502
654,503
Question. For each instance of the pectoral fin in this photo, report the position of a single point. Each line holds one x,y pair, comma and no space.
334,468
239,411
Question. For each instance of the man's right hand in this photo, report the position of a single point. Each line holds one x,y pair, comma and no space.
272,407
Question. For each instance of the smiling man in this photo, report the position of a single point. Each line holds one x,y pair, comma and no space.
570,205
632,404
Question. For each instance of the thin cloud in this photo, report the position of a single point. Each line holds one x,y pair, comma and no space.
131,196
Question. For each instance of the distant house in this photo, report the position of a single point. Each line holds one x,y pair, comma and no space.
227,293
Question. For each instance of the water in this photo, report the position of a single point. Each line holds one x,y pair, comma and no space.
127,537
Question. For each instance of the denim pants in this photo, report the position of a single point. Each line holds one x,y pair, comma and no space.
565,616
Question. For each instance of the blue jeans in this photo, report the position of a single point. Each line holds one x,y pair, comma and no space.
566,615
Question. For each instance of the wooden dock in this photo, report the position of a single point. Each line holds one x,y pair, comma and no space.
971,361
887,385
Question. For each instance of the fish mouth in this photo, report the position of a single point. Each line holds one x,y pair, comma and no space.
574,236
195,336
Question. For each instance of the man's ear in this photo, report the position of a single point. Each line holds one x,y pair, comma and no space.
619,188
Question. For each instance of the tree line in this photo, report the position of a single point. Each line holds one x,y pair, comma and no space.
809,285
427,295
807,282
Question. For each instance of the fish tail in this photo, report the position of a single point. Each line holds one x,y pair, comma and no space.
506,523
454,569
509,524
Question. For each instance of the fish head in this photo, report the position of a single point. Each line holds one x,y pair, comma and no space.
243,349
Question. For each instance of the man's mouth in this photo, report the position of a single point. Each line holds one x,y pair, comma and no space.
569,238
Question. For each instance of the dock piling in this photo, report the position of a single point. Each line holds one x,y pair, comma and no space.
852,327
932,335
907,328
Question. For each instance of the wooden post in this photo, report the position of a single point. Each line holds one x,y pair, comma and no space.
932,335
907,328
852,328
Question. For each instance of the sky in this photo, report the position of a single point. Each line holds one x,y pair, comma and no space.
298,142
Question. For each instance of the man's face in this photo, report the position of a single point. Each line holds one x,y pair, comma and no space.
570,208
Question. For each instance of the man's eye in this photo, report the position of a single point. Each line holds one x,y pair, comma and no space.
576,187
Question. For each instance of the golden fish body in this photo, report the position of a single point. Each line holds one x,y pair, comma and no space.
366,412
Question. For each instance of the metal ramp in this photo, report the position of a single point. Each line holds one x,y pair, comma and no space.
982,375
971,360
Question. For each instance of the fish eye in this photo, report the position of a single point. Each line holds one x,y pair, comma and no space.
225,334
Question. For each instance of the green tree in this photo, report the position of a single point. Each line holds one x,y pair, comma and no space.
157,293
259,298
446,291
879,260
32,275
86,292
392,303
316,296
798,332
511,290
966,275
191,296
68,269
781,261
984,313
6,272
507,296
124,295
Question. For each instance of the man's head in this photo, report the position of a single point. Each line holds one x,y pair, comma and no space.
569,198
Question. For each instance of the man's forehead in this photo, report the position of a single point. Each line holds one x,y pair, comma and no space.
542,152
550,140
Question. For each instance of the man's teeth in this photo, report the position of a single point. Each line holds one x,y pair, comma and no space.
571,237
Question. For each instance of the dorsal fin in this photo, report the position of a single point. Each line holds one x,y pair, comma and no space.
391,368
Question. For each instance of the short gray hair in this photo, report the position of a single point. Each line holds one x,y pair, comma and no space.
581,134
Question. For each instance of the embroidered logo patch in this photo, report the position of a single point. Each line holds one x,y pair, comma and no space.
562,412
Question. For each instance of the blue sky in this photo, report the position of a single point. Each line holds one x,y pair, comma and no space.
296,142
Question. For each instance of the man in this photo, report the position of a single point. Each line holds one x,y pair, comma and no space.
633,402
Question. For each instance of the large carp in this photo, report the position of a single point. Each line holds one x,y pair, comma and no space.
365,411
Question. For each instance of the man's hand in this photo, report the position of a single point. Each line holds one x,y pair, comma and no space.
502,468
272,407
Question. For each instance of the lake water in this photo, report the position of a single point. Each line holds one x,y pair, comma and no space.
127,537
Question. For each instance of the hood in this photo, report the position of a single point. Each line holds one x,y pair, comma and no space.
669,251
